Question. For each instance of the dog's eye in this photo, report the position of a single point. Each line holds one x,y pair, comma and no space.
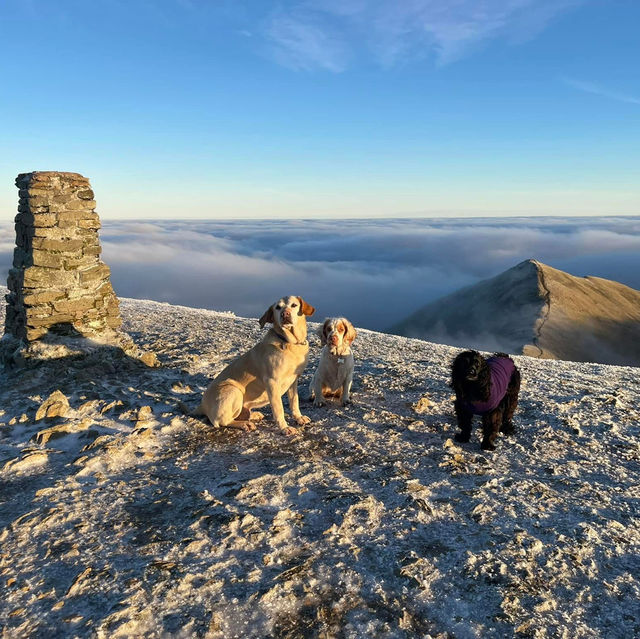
294,305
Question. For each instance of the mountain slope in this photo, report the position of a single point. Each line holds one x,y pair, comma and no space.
125,518
540,311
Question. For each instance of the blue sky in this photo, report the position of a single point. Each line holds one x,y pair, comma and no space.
326,108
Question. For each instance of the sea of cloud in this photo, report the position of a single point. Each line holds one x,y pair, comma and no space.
374,271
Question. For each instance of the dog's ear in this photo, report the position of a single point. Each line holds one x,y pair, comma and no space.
458,372
267,317
351,332
322,331
305,309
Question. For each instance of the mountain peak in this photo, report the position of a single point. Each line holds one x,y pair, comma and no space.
538,310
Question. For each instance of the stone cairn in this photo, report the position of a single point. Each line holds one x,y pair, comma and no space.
57,277
58,284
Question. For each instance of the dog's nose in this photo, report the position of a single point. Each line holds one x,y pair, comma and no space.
286,315
333,339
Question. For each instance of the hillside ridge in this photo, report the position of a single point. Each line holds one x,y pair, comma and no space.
537,310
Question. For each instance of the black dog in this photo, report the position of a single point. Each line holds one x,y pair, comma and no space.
487,387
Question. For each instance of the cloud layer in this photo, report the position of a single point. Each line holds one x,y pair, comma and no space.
376,272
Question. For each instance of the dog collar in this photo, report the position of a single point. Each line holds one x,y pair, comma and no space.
340,357
286,342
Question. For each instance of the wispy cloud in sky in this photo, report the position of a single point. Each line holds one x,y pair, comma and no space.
598,89
302,43
327,34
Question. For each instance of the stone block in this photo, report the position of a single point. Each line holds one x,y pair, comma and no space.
65,245
81,205
24,236
43,297
105,290
89,224
20,257
14,279
57,233
86,194
43,219
68,225
75,263
51,320
99,272
74,306
46,259
92,250
32,334
77,214
38,276
38,310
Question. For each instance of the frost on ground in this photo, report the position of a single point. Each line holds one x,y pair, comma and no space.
121,517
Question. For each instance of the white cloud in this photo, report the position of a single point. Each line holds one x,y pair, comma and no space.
597,89
326,34
302,45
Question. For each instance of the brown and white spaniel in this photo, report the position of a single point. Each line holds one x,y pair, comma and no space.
334,374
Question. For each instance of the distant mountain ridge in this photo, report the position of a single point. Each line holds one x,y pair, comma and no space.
537,310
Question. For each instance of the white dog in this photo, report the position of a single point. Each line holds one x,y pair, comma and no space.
334,374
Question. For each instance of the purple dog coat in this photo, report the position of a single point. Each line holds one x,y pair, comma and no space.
501,370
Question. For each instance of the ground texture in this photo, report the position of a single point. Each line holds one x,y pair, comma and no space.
121,517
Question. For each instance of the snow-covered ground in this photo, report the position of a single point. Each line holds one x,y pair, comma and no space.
124,518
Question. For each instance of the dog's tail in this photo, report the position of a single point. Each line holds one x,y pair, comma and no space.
191,412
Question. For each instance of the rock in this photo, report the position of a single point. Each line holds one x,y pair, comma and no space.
422,405
29,461
42,437
56,405
144,414
50,260
57,245
150,359
60,430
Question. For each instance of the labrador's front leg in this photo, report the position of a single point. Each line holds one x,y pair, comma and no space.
275,399
316,389
294,405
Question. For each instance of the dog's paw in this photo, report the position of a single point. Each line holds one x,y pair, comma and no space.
347,402
256,416
487,446
462,438
318,402
290,431
507,429
302,420
244,426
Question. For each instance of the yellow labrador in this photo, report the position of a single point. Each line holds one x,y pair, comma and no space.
334,374
262,375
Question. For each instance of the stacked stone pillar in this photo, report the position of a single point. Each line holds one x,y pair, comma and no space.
58,281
